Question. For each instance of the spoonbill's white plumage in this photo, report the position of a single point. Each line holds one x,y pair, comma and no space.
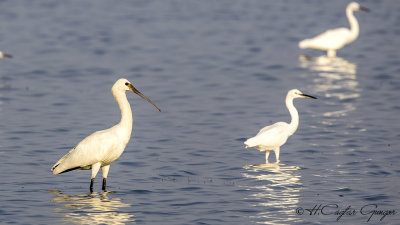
271,138
101,148
5,55
334,39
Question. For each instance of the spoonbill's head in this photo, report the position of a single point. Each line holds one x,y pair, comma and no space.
124,85
354,6
294,93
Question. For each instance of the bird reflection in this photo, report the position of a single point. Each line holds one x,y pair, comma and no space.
95,208
336,78
277,188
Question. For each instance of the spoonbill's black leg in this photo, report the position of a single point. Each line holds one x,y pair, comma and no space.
91,185
104,184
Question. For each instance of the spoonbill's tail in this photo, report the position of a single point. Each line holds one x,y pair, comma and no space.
62,167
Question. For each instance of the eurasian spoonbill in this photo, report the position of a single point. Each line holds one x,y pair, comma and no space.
101,148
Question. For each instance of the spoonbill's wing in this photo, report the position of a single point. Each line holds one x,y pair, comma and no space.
89,151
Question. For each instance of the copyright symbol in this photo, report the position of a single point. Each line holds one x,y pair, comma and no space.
299,211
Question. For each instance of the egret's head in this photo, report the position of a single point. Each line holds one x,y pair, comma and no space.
124,85
354,6
294,93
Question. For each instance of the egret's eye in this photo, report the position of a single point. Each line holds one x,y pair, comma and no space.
126,83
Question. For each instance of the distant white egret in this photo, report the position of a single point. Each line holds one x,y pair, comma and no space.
5,55
332,40
274,136
101,148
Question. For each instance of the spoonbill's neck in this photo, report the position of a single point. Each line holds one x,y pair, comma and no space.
126,112
294,123
354,27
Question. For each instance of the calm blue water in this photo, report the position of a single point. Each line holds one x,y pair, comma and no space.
220,71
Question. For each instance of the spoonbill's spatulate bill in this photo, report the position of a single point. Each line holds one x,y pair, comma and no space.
5,55
101,148
332,40
274,136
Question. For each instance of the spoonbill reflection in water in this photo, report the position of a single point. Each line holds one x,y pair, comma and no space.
94,208
274,136
101,148
334,39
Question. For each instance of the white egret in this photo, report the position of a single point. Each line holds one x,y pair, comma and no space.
101,148
5,55
334,39
271,138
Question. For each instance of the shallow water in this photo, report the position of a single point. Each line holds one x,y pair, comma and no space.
219,70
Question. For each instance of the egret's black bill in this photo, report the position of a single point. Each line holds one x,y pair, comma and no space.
5,55
308,96
364,9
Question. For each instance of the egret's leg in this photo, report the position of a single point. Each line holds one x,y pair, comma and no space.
277,150
331,53
95,170
105,170
266,156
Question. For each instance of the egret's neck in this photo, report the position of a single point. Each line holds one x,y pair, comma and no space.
126,112
354,28
294,123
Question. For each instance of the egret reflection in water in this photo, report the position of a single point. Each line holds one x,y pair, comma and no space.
95,208
276,190
335,78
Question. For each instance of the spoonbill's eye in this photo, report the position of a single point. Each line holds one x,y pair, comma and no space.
126,83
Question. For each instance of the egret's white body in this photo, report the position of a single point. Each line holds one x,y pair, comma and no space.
334,39
101,148
5,55
271,138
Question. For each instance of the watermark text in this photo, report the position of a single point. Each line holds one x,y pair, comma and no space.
370,211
